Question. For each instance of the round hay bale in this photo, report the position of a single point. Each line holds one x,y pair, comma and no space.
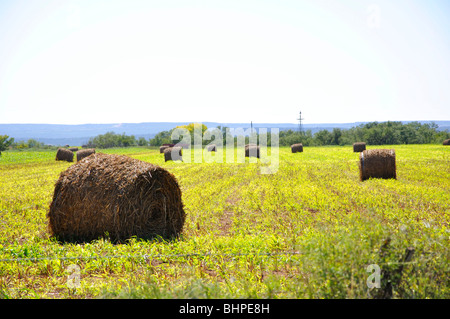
173,154
211,148
162,148
116,196
359,146
377,163
446,142
73,149
297,148
84,153
63,154
252,150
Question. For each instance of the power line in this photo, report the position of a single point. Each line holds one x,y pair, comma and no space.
156,256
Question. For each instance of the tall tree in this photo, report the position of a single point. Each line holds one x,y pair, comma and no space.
5,142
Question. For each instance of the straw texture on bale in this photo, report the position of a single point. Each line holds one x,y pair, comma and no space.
211,148
173,154
73,149
377,163
63,154
359,146
116,196
297,148
252,150
84,153
446,142
162,148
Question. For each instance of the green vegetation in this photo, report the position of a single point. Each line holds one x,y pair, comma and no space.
111,139
374,133
308,231
31,144
5,142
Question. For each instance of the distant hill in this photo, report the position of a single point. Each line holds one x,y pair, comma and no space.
61,134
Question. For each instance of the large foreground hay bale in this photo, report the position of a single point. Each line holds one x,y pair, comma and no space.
173,154
297,148
63,154
211,148
117,195
84,153
377,163
359,146
252,150
446,142
162,148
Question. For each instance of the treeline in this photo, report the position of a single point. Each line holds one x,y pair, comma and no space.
373,133
7,142
31,143
111,139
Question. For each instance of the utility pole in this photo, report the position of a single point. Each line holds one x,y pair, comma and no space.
300,128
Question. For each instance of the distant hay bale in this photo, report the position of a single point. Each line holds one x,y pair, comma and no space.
252,150
116,196
173,154
211,148
359,146
162,148
63,154
84,153
73,149
377,163
446,142
297,148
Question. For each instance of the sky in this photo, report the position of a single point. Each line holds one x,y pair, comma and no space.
234,61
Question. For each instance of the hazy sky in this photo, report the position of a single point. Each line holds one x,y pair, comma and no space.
73,62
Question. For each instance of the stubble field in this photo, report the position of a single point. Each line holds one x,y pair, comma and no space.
310,230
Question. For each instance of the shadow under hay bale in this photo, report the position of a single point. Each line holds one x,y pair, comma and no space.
297,148
446,142
162,148
115,196
359,147
377,163
84,153
252,150
211,148
173,154
73,149
63,154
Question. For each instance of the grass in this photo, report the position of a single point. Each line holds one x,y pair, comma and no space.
308,231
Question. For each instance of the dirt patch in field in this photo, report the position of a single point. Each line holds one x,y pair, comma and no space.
226,221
